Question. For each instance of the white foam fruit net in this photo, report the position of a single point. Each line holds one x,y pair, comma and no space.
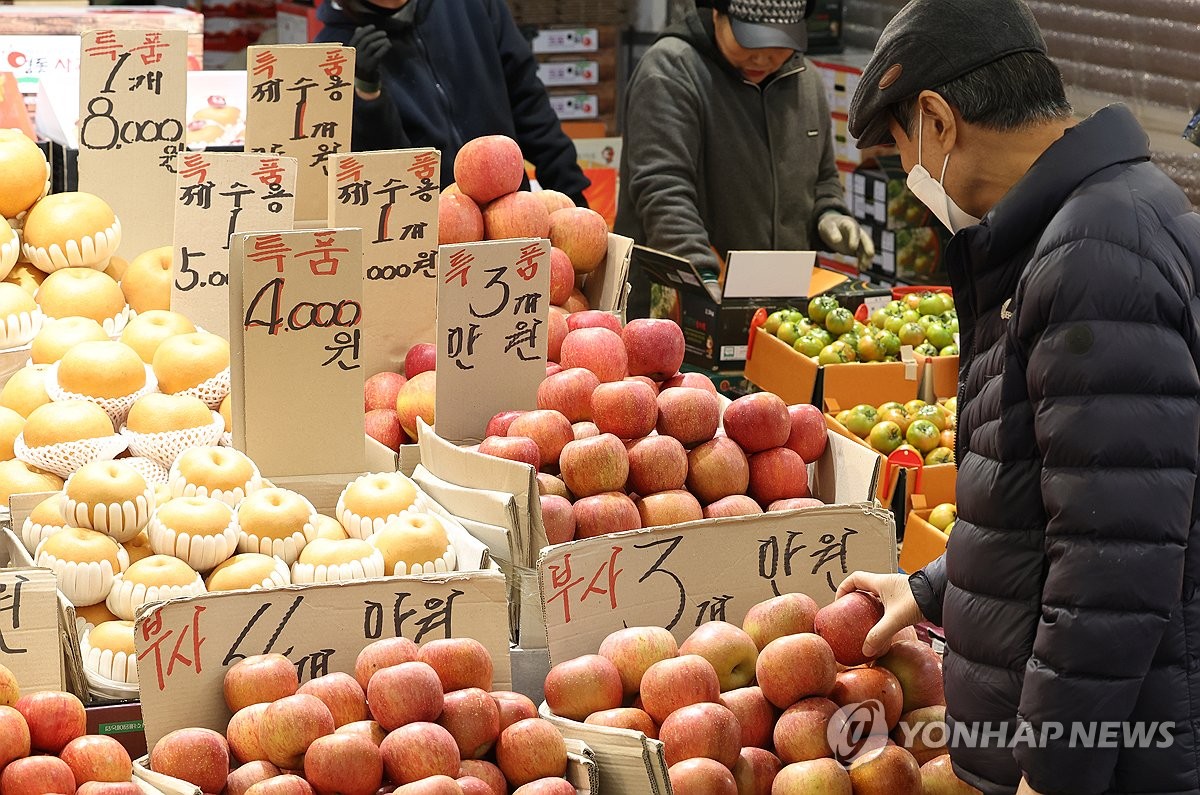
163,448
212,391
65,458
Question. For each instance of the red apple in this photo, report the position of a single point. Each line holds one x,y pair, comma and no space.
244,735
97,758
529,750
14,736
654,347
569,393
919,670
485,771
38,775
549,484
678,682
381,389
198,756
474,786
634,649
258,679
54,719
287,784
558,517
755,771
578,302
290,725
889,770
802,732
345,764
549,429
577,688
691,381
473,719
777,474
434,785
410,692
460,663
787,614
603,514
546,786
416,399
382,654
845,623
689,415
459,220
731,506
755,715
793,504
342,694
597,349
246,776
758,422
656,464
859,685
121,788
517,215
717,469
368,729
594,318
795,667
923,733
938,778
513,448
809,434
584,430
383,425
818,777
625,718
701,777
554,200
562,276
701,730
730,650
421,358
10,691
627,409
556,332
582,234
498,425
487,168
595,466
419,750
650,382
513,707
669,508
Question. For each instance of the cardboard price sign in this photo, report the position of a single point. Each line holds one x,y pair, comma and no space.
29,631
300,104
218,195
671,578
132,96
393,197
492,343
296,317
185,646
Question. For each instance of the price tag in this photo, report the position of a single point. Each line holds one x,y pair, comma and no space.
295,301
30,644
393,197
185,646
218,195
876,302
492,339
300,104
132,94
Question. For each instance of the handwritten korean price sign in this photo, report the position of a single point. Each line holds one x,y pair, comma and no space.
492,339
297,317
218,195
132,92
300,104
674,578
29,634
185,646
393,197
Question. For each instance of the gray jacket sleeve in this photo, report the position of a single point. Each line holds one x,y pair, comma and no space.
830,195
929,587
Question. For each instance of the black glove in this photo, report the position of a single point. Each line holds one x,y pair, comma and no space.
370,46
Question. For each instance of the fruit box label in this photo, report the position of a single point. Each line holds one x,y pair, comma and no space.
569,73
185,646
29,629
132,98
393,197
218,195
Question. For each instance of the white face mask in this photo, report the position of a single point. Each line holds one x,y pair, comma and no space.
932,192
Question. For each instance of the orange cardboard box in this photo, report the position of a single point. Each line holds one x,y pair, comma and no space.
923,543
944,381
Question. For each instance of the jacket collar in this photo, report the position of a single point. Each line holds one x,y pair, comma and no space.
698,30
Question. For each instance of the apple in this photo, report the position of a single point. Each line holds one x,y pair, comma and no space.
421,358
584,430
198,756
499,423
369,729
678,682
459,220
628,409
38,775
669,508
597,349
472,717
701,730
513,448
923,733
342,694
562,276
249,774
795,667
10,691
383,425
859,685
641,379
54,719
634,649
755,715
919,670
554,200
889,770
691,381
546,786
549,484
410,692
818,777
486,772
244,735
569,393
577,688
558,518
344,763
787,614
460,663
513,707
382,654
578,302
556,332
529,750
14,736
517,215
730,650
654,348
549,429
793,504
381,389
594,318
625,718
419,750
802,732
701,777
717,469
731,506
258,679
689,415
755,771
656,464
416,399
777,474
489,167
97,758
434,785
289,726
938,778
758,422
474,786
603,514
582,234
845,624
121,788
286,784
809,434
595,466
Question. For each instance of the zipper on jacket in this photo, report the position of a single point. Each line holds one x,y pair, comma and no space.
458,137
762,95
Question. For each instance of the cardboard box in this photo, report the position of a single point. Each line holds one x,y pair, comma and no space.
880,196
556,74
573,107
942,378
923,543
558,41
122,722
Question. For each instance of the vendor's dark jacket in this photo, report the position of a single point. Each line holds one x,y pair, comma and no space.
458,70
1068,587
712,161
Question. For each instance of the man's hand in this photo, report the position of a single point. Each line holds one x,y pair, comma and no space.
899,606
1025,789
370,46
843,235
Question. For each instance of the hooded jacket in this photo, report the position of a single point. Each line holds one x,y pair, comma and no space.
712,161
457,70
1068,586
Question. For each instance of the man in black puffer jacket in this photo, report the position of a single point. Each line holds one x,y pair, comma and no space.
1067,591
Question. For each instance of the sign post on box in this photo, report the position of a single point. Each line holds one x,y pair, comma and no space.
300,104
132,97
492,341
296,320
29,632
218,195
393,197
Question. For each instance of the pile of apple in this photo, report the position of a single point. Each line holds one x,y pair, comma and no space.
411,720
393,401
45,748
747,711
926,429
